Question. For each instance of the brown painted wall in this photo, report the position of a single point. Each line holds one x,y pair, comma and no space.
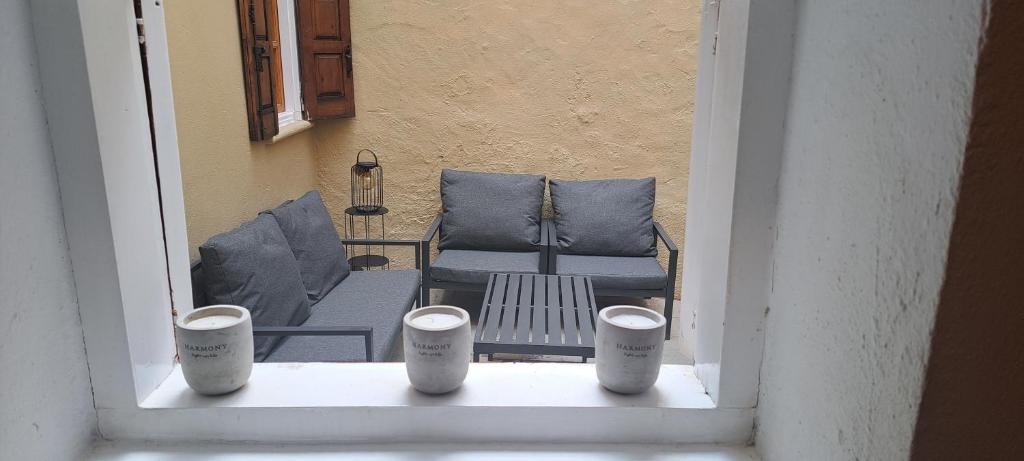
973,404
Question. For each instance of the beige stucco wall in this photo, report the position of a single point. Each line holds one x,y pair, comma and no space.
571,89
227,179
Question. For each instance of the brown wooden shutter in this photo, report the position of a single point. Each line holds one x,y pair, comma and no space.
325,58
255,19
274,34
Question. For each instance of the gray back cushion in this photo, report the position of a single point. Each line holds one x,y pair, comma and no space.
490,211
253,267
610,217
310,232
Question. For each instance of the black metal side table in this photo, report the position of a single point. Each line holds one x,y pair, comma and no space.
368,259
537,314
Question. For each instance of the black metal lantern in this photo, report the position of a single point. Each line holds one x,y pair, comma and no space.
367,184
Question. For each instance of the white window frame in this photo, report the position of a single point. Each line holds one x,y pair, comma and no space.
290,65
126,234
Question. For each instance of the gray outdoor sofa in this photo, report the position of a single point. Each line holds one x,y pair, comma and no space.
289,268
491,223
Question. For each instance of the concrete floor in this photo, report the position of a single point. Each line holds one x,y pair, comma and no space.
676,351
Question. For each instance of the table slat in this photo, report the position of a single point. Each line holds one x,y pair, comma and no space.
586,310
554,325
486,307
496,303
569,303
508,309
540,284
525,308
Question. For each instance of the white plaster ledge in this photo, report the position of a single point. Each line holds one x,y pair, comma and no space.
374,403
291,129
305,385
434,452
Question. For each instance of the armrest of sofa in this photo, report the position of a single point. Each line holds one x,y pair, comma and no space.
660,233
415,244
546,233
673,251
673,263
552,239
432,230
421,255
428,236
365,332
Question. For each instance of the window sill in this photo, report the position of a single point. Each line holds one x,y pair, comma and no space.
290,129
508,402
120,451
303,385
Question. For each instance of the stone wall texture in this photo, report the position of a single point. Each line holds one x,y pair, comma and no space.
571,89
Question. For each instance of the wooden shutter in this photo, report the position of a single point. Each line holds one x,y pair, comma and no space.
274,34
325,58
256,19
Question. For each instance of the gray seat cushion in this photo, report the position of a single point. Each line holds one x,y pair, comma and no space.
611,217
490,211
615,272
472,266
310,232
253,267
376,299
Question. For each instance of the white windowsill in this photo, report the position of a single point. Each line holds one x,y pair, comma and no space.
374,403
305,385
118,451
290,129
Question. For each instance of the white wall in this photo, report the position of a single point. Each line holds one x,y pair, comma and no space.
46,407
876,129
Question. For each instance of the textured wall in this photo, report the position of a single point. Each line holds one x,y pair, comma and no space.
227,179
876,129
571,89
46,408
977,349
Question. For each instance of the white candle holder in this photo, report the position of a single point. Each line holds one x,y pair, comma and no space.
438,345
630,343
215,348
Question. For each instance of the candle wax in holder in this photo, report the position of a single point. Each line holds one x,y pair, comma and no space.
436,320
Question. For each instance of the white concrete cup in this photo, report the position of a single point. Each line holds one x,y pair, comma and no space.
438,345
630,342
215,347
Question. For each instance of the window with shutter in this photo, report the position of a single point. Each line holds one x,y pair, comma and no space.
325,58
257,20
297,62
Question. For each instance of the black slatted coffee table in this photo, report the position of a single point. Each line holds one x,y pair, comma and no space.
537,315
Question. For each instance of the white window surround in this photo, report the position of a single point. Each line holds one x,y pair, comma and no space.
140,451
290,67
124,272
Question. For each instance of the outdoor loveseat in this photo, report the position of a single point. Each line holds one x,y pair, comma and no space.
289,268
492,223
